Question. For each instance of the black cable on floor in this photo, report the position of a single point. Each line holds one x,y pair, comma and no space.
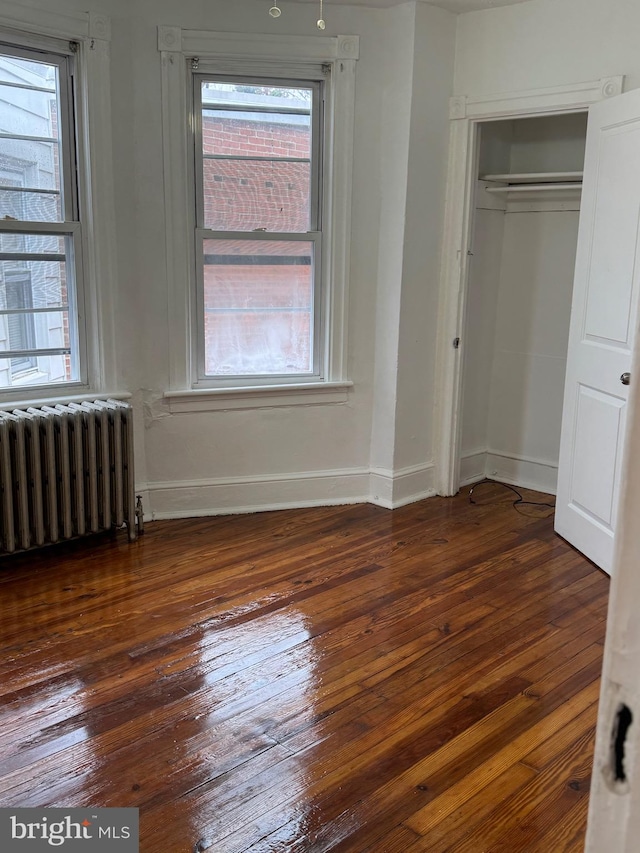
518,501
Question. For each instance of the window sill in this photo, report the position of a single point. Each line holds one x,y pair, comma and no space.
257,397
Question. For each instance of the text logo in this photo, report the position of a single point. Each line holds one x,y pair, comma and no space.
35,830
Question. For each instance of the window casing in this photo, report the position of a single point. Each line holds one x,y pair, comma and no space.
331,62
41,274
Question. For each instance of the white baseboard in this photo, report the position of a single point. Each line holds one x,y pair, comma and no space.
382,487
237,495
509,468
473,467
393,489
522,471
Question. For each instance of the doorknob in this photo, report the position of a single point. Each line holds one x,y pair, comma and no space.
625,378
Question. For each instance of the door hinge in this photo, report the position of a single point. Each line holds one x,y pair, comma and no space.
456,343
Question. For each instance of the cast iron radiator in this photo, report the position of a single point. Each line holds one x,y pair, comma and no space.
66,471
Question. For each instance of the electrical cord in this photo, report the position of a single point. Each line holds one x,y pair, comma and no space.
519,501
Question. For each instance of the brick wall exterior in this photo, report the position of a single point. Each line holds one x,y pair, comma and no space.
258,315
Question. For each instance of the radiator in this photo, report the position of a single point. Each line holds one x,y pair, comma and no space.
65,471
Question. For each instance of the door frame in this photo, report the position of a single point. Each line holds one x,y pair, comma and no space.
466,114
614,804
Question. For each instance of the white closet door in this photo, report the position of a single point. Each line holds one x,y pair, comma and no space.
603,323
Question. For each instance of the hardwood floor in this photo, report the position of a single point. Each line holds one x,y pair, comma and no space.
344,679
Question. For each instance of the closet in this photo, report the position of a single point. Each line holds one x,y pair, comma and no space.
522,255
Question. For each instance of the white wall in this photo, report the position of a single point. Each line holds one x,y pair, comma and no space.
414,136
517,328
479,340
201,463
547,43
205,462
396,97
426,180
530,352
548,143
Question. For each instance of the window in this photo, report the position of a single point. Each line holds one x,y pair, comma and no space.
259,219
40,233
20,324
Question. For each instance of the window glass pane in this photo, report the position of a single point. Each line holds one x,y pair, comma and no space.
48,279
40,370
273,135
14,68
258,307
20,326
242,195
27,289
29,141
29,206
37,330
34,244
257,144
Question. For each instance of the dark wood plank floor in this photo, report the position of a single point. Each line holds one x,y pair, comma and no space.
344,679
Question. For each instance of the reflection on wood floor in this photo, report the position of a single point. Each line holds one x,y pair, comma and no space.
344,679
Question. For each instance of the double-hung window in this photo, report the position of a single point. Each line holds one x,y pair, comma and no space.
40,236
259,211
257,201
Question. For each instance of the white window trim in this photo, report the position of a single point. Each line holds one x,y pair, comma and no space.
92,33
177,47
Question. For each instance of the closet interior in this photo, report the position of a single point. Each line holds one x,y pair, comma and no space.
521,265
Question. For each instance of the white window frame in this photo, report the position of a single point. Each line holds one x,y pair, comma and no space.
264,56
59,54
87,37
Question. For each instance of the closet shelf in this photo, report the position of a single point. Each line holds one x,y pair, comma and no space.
534,182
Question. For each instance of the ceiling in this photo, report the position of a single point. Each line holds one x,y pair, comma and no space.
451,5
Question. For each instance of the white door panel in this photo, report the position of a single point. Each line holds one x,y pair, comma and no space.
603,322
614,239
599,419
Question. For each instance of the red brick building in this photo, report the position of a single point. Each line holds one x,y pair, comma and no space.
258,300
